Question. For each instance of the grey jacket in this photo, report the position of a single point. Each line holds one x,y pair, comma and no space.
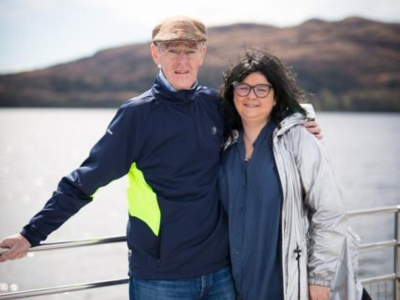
317,246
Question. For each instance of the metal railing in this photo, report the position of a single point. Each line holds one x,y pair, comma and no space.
395,243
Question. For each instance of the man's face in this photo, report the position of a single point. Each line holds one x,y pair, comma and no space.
179,61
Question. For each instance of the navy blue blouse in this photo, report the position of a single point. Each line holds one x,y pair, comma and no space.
251,195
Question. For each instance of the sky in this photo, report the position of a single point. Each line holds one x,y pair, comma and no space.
36,34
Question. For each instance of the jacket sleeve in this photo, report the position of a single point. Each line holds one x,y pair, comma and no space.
109,159
326,211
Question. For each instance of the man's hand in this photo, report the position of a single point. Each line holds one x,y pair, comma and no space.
317,292
18,246
313,128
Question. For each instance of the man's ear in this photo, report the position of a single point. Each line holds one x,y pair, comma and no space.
155,54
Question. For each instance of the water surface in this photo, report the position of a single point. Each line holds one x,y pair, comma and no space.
39,146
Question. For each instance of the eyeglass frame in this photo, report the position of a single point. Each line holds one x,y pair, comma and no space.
236,83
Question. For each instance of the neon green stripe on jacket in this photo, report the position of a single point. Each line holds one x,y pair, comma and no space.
142,201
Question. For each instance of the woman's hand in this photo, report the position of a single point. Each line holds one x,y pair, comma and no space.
317,292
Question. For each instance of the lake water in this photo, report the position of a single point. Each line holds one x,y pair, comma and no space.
39,146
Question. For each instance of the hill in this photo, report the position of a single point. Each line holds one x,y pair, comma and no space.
350,65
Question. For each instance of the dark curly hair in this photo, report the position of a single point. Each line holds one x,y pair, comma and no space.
288,94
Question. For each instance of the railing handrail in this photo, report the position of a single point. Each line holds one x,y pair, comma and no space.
63,289
116,239
379,245
373,211
73,244
98,284
380,278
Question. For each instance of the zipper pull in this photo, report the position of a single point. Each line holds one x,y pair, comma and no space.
298,252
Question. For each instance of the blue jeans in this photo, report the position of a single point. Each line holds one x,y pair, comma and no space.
214,286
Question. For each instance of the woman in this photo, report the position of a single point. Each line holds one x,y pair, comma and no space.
287,222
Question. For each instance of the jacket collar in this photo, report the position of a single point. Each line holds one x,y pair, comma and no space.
265,131
282,128
289,122
161,90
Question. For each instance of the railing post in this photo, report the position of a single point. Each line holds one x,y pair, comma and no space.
397,254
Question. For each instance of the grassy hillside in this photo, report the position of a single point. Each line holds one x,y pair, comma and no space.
351,65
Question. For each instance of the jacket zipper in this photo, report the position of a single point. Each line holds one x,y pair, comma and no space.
298,252
191,106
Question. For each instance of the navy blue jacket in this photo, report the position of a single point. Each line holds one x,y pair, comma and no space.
168,143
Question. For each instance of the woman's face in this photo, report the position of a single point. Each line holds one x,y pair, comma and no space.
253,108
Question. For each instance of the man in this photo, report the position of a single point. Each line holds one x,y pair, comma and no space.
167,140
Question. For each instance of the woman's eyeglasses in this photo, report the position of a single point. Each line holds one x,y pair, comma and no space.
260,90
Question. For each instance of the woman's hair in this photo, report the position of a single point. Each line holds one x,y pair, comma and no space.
288,94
